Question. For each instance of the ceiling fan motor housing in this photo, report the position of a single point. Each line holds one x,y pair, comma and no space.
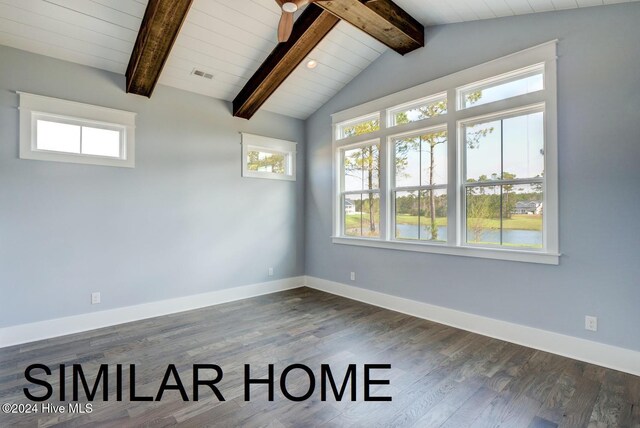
289,7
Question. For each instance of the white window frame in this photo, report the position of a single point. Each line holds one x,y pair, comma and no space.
393,187
502,79
37,107
339,127
343,193
251,142
391,113
453,120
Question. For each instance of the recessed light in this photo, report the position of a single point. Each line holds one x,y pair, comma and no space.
312,63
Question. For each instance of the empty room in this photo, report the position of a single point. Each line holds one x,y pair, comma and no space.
319,213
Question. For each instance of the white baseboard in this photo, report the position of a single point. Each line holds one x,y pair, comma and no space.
613,357
24,333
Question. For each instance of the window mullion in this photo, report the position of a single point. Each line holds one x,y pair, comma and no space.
502,178
384,174
454,203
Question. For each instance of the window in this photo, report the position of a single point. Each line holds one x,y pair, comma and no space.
420,185
418,110
464,165
358,126
508,85
504,158
264,157
361,190
65,131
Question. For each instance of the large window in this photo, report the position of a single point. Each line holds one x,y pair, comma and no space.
464,165
64,131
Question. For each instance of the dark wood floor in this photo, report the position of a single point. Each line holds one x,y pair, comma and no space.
440,376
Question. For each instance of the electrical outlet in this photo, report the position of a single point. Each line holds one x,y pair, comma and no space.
95,298
353,276
270,271
591,323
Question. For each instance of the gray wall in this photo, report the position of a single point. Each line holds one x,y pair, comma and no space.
599,156
182,222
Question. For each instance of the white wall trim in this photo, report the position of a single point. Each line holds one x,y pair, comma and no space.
24,333
613,357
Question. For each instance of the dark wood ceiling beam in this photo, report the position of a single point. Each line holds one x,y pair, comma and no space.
382,19
309,29
158,32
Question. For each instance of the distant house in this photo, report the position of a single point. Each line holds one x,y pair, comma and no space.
349,207
528,207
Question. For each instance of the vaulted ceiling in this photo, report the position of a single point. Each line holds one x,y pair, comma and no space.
228,39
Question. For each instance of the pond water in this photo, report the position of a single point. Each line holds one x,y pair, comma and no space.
529,238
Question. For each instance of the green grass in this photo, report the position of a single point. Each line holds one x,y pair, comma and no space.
413,220
516,222
353,220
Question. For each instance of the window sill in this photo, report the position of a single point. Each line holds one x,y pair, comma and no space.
485,253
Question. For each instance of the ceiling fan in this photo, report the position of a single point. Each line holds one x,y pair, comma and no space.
286,20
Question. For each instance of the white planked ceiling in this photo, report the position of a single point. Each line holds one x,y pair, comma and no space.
435,12
229,39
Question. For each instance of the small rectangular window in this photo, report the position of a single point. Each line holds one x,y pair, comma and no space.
63,136
265,157
415,111
65,131
360,126
508,85
264,161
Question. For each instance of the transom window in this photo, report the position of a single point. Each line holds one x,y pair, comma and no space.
418,110
264,157
464,165
65,131
63,135
358,126
508,85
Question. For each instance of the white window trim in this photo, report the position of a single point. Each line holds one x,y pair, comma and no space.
411,105
339,127
271,145
455,245
497,80
342,192
392,186
33,107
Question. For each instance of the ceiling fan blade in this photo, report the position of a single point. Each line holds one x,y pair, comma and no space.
280,2
285,27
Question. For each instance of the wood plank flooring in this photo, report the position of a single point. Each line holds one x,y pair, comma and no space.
439,377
